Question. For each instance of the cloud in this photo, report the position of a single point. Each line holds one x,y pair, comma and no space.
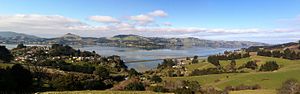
142,19
57,25
167,24
39,24
104,19
146,19
158,13
54,25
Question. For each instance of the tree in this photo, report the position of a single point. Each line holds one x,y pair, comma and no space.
214,60
5,55
251,64
246,55
21,46
159,89
135,86
184,91
22,76
167,63
287,53
66,82
290,86
299,44
195,60
277,54
269,66
132,72
193,85
156,79
231,66
101,72
16,80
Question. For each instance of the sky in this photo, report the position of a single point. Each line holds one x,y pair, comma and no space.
268,21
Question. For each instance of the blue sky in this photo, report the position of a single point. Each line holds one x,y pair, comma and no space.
248,20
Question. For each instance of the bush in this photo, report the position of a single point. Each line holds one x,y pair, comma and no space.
211,90
156,79
16,80
101,72
251,65
159,89
184,91
21,46
242,87
269,66
195,60
213,60
135,86
197,72
132,72
5,55
167,63
290,86
68,82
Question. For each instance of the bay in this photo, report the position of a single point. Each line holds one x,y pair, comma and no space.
136,54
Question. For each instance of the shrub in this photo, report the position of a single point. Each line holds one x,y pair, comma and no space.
156,79
159,89
101,72
16,80
184,91
195,60
167,63
132,72
251,65
213,60
206,71
269,66
290,86
5,55
135,86
211,90
242,87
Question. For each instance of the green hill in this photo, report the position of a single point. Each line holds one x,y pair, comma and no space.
267,80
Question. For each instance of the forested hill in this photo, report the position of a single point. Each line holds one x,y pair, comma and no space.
124,41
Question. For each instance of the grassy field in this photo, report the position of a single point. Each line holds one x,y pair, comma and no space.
267,80
253,92
99,92
4,65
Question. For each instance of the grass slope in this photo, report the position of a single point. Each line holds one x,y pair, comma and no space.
253,92
99,92
268,80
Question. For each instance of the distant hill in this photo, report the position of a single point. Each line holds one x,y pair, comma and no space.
182,42
12,37
125,41
291,45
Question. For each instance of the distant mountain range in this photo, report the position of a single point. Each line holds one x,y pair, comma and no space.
124,41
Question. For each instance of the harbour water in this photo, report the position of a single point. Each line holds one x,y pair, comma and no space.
136,54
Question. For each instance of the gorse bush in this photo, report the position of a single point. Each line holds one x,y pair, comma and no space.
290,86
135,86
242,87
251,65
269,66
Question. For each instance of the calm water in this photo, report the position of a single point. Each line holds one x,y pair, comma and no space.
133,54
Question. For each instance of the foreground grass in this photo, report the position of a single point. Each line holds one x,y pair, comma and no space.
253,92
4,65
267,80
99,92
